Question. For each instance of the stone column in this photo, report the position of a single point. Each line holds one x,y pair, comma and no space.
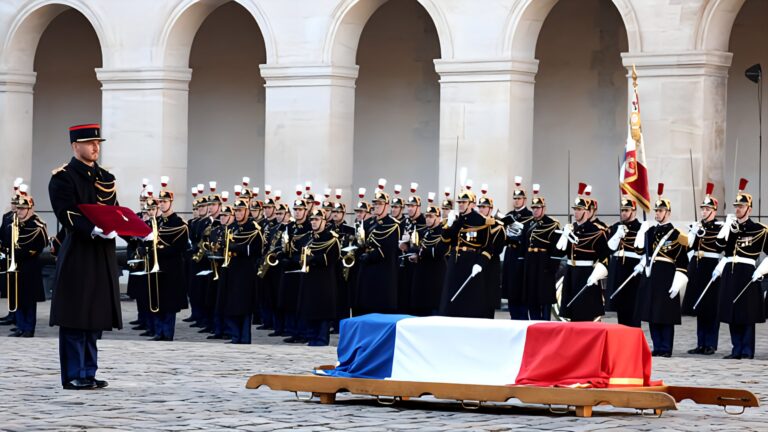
309,126
144,119
683,107
16,99
488,107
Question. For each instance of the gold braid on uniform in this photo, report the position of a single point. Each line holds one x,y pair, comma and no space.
106,187
538,232
175,232
756,236
31,236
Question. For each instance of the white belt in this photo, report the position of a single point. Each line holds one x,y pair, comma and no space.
702,254
625,254
740,260
580,263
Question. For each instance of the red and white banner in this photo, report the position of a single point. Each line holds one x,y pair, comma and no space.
634,171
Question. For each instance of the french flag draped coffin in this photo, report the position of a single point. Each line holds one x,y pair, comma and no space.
492,352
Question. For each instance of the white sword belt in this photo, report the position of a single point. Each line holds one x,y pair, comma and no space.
740,260
626,254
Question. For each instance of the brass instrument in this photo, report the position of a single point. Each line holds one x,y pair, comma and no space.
155,240
155,269
270,259
12,266
228,237
305,253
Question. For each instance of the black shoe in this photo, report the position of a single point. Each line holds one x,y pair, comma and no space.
276,334
98,383
666,354
139,327
135,322
747,357
263,327
190,319
732,357
9,322
27,334
80,384
17,333
147,333
295,339
697,350
215,336
197,324
206,330
654,354
708,351
13,329
161,338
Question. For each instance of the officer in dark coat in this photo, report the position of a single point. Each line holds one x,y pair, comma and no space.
741,299
346,236
586,249
410,241
516,222
351,256
498,241
7,219
137,279
86,294
665,264
212,237
703,256
624,259
397,211
299,236
429,263
271,272
377,290
467,233
237,284
25,280
318,287
169,245
189,264
542,260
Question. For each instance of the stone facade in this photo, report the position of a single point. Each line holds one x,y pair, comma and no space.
341,92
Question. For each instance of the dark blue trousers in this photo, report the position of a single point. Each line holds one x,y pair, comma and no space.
663,336
318,333
267,316
278,323
26,318
706,332
78,354
239,327
518,312
165,324
743,339
540,313
290,325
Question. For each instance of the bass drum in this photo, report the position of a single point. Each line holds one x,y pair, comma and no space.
559,276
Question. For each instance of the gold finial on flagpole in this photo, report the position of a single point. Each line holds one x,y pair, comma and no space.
634,76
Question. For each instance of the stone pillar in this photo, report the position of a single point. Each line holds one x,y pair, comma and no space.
309,126
488,107
683,106
16,98
144,119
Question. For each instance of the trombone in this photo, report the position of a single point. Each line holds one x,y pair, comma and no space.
12,266
228,237
155,270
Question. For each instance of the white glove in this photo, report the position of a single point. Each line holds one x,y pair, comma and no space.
725,231
100,233
718,269
451,218
692,232
640,239
563,241
149,237
406,238
640,266
761,270
476,269
678,284
598,272
615,240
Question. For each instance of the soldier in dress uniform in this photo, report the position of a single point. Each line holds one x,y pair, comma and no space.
346,236
86,294
376,290
299,236
446,205
213,238
516,222
272,266
363,219
703,255
586,248
26,237
199,265
318,287
397,211
541,261
498,240
141,284
428,258
198,213
237,284
409,243
621,266
256,206
467,234
741,302
7,219
665,263
170,244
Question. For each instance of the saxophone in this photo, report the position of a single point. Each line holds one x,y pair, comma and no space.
270,259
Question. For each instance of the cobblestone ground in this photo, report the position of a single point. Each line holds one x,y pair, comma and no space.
192,384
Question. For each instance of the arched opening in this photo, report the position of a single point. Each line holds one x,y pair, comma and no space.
742,152
66,92
397,100
580,102
226,99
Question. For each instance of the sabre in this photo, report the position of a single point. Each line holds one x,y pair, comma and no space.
743,290
462,287
704,292
577,295
624,284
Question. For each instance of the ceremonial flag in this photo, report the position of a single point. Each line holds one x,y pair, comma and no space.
492,352
634,171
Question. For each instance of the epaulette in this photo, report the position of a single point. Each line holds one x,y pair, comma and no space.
490,221
59,169
40,223
682,237
334,234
